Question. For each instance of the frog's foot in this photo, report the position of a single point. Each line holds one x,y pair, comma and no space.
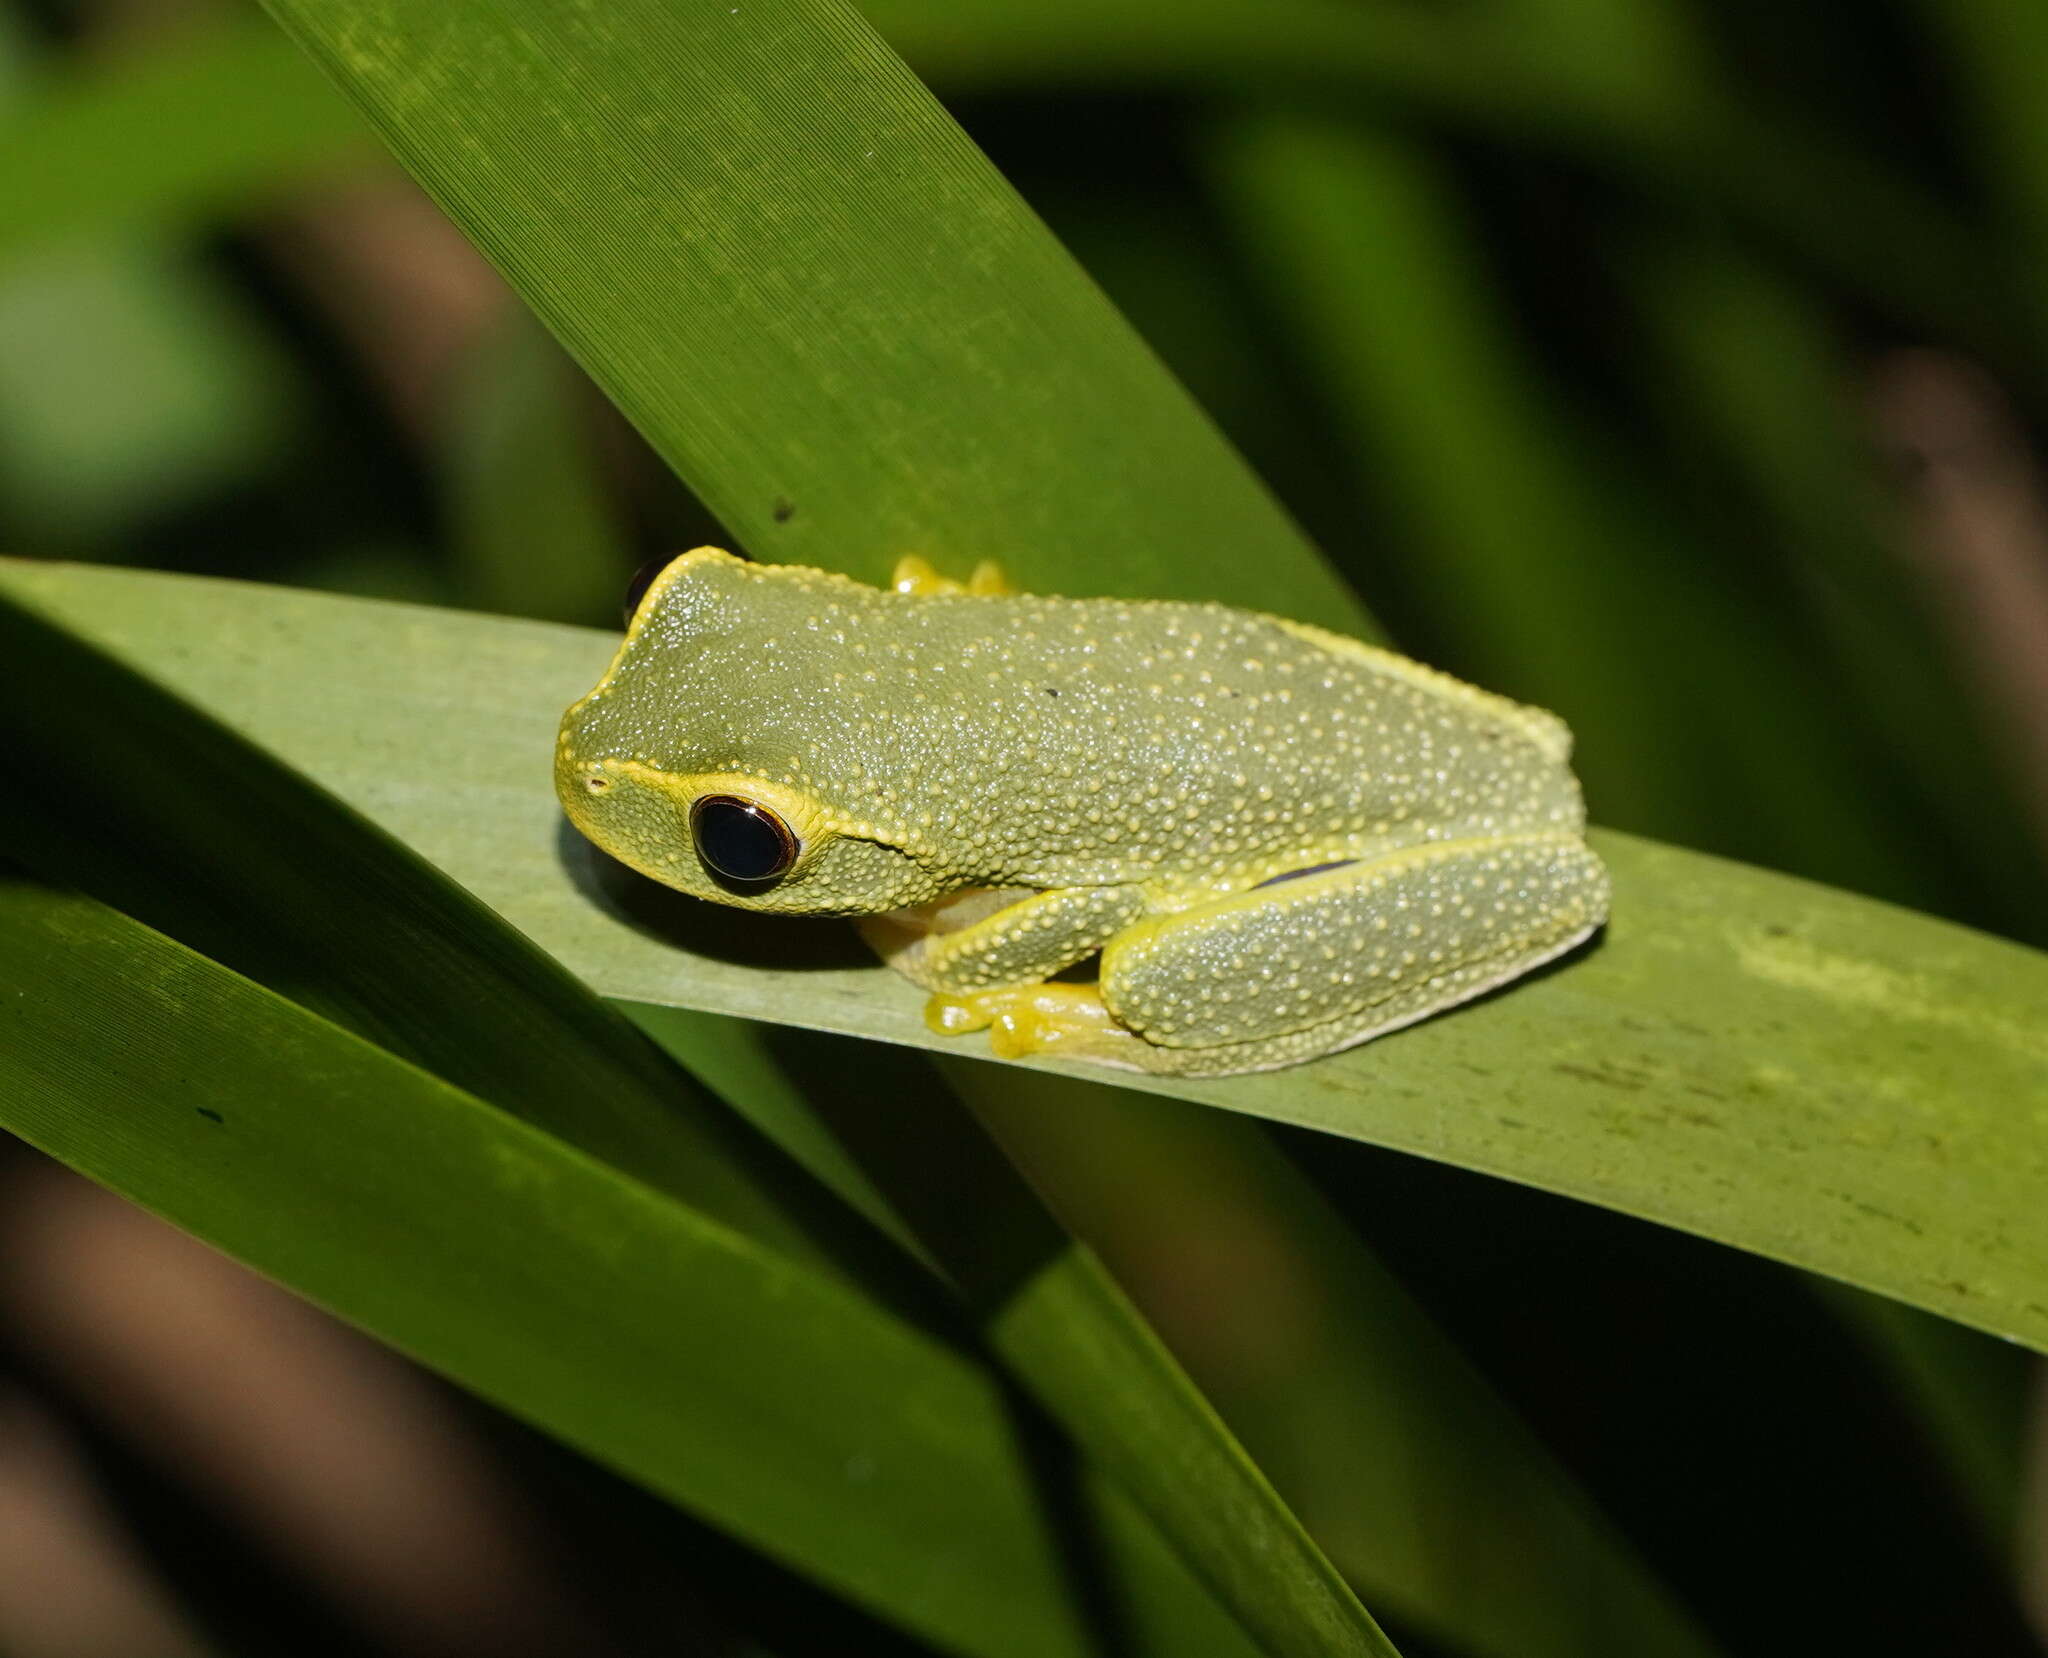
916,575
1064,1019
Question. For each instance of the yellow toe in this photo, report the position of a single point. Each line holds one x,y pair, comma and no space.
1031,1019
990,579
917,575
957,1015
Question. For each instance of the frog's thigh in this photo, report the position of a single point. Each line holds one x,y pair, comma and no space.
1286,972
1022,943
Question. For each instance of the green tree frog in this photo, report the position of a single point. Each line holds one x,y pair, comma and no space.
1279,841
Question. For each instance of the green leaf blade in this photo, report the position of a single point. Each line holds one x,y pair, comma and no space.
1840,1084
870,1456
1429,1490
792,271
323,909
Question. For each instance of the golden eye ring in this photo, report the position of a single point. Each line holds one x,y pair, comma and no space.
643,579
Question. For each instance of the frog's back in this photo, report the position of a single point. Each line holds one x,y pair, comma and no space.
1073,741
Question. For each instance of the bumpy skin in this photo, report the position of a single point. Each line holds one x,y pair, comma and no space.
1037,779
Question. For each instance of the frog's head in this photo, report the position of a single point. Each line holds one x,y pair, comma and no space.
700,758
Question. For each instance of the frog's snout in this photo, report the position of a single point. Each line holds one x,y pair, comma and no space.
625,811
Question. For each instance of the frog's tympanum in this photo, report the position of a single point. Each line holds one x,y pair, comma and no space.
1280,841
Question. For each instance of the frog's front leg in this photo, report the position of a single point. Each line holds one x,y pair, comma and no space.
992,969
1020,943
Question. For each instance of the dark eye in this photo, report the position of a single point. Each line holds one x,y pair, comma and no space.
739,840
643,578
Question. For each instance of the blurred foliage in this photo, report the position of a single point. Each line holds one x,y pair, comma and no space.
1558,324
1596,440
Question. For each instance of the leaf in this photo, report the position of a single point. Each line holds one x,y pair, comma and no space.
778,1404
1426,1488
327,912
1408,1470
735,1059
1822,1079
1046,1306
786,265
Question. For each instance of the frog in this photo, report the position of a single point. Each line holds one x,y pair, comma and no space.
1269,841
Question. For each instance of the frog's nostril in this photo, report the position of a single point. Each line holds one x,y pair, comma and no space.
597,785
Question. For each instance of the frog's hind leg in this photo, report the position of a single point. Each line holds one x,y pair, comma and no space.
1320,962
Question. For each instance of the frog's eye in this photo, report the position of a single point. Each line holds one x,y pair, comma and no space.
636,589
740,840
